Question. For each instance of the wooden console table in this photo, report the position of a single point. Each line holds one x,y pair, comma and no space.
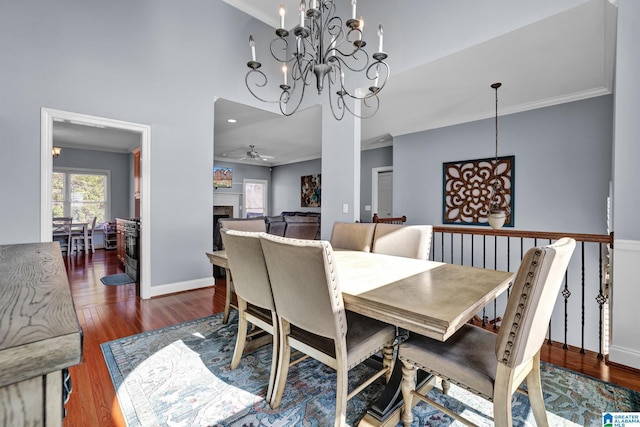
40,335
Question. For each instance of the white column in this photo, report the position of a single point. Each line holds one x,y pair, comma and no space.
625,335
340,169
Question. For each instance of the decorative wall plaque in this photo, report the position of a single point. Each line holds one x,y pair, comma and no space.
467,188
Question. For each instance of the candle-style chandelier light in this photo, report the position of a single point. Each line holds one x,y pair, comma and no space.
498,207
325,46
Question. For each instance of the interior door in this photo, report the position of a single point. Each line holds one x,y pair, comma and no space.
385,194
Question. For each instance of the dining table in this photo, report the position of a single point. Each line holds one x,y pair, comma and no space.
77,229
430,298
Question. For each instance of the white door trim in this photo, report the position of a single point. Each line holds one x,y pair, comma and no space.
47,116
374,186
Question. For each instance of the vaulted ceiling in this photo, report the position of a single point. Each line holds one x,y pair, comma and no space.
562,58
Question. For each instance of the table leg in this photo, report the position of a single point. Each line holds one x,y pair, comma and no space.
386,411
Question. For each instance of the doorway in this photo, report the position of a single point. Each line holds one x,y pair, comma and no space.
382,191
47,118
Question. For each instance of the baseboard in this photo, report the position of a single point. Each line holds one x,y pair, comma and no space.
624,356
189,285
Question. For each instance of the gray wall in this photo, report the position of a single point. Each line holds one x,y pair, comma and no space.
285,188
117,163
562,166
155,62
159,63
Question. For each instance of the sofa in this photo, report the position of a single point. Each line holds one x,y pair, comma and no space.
299,225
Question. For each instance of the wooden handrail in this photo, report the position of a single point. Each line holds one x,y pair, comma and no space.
597,238
394,220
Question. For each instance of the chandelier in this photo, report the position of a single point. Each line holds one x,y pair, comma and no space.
325,46
498,208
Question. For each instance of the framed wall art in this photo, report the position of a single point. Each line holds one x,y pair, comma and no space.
467,187
222,177
310,191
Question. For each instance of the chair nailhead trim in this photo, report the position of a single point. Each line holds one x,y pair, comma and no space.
533,271
431,371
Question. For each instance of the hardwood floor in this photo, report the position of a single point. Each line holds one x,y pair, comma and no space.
110,312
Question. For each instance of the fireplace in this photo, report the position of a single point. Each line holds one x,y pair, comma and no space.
225,205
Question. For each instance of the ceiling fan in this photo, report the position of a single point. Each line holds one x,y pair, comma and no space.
252,154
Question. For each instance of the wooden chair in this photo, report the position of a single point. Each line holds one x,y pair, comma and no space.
307,295
494,365
78,238
352,236
395,220
411,241
62,233
255,299
255,225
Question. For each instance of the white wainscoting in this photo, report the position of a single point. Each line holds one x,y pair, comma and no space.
625,304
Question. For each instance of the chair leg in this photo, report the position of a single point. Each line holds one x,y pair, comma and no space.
536,398
241,337
408,386
227,298
275,353
342,390
284,359
502,393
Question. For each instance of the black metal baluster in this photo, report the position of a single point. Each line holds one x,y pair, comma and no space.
600,299
495,267
566,293
484,265
583,303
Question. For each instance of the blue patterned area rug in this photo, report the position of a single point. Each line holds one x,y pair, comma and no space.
179,376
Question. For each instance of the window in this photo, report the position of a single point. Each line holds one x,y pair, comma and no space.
81,194
255,197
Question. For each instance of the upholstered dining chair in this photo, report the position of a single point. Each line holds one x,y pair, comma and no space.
494,365
78,241
356,236
410,241
253,292
255,225
61,227
307,295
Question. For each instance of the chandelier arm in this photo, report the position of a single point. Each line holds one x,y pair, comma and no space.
341,104
274,45
258,84
288,95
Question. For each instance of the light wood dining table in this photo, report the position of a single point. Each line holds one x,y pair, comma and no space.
426,297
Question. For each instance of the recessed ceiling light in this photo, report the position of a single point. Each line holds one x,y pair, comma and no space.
232,120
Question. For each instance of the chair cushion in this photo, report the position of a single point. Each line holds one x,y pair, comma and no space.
467,358
362,333
259,312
